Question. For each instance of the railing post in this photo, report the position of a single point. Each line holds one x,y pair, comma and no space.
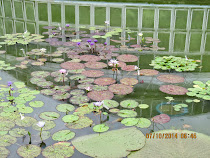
189,20
172,27
36,17
204,27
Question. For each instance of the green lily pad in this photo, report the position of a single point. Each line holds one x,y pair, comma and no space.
18,132
176,146
36,104
63,135
206,97
130,121
81,123
6,125
143,123
61,96
83,110
48,125
79,99
50,115
26,122
127,113
115,110
7,140
77,92
189,100
25,109
77,77
70,118
65,107
19,84
57,151
29,151
100,128
143,106
10,109
3,133
111,103
10,116
48,91
112,144
4,152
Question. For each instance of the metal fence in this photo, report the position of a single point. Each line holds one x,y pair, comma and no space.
173,23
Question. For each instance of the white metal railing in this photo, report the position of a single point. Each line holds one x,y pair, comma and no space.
123,6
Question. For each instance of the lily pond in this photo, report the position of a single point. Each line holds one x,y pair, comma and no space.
73,90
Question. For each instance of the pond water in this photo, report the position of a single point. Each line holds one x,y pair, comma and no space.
134,36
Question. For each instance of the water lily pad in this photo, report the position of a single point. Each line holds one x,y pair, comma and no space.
86,80
61,96
148,72
7,140
129,103
129,81
9,109
104,81
48,125
72,65
70,118
100,95
36,104
100,128
111,103
161,119
65,107
79,99
143,123
48,91
37,63
90,58
62,89
83,122
84,85
143,106
129,68
99,88
173,90
113,141
40,74
83,110
61,79
77,92
127,113
120,89
95,65
25,110
130,121
127,58
77,77
178,147
18,132
19,84
4,152
36,80
63,135
170,78
57,150
49,115
57,60
93,73
6,125
29,151
45,84
26,122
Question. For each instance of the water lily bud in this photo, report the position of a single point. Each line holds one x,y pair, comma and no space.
62,71
40,124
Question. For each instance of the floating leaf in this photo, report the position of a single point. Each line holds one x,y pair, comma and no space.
36,104
120,89
77,92
29,151
57,150
4,152
100,128
123,140
174,90
100,95
127,58
79,99
50,115
143,106
161,119
81,123
143,123
63,135
26,122
25,109
7,140
48,125
104,81
129,103
93,73
18,132
170,78
72,65
91,58
65,107
6,125
111,103
95,65
48,91
127,113
130,121
70,118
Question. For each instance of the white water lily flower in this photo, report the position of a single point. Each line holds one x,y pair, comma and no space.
21,116
186,57
136,68
88,89
25,31
43,50
140,34
41,124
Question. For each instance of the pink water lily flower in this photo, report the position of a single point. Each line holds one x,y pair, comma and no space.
113,62
62,71
99,103
88,89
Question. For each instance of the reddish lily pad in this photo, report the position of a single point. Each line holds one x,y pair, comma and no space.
120,64
93,73
129,68
72,65
61,96
171,78
161,119
148,72
79,99
127,58
104,81
100,95
120,89
86,80
95,65
37,63
48,91
129,81
90,58
173,90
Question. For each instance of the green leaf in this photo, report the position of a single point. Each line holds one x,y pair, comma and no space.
100,128
129,103
63,135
